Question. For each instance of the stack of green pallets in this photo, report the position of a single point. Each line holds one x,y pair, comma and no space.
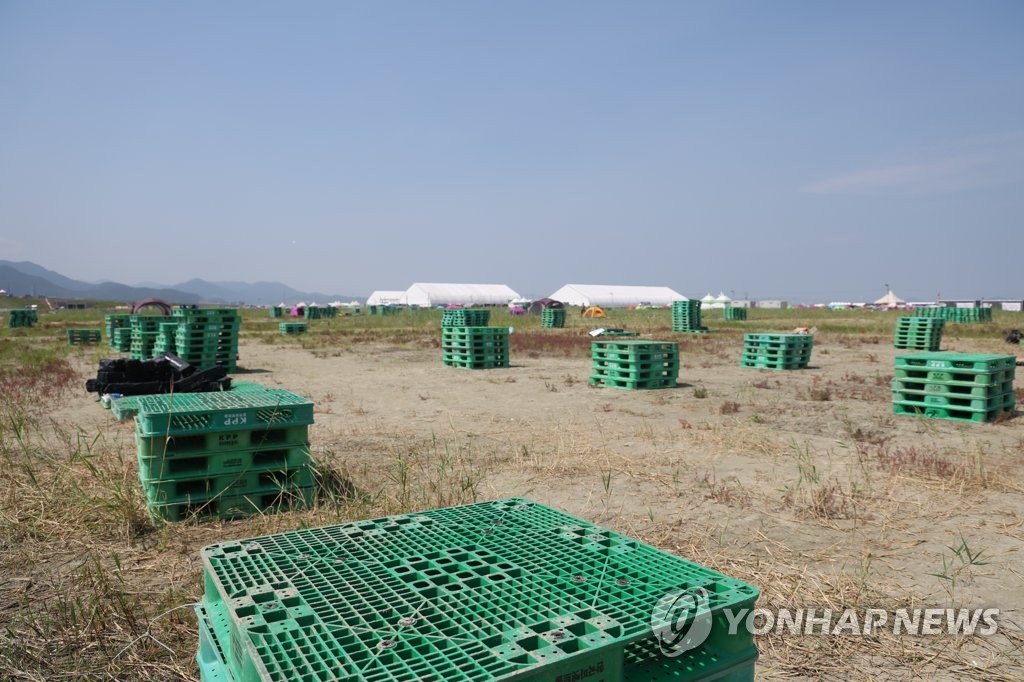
223,455
776,351
686,317
732,313
970,314
22,317
165,340
465,318
634,364
144,335
277,311
84,336
208,337
312,312
930,311
957,386
475,347
113,323
918,333
552,317
502,590
288,328
121,340
959,315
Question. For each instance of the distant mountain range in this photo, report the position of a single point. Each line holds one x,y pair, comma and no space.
27,278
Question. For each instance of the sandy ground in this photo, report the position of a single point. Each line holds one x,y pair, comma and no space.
819,502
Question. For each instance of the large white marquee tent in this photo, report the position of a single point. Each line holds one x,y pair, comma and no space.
615,295
434,294
386,298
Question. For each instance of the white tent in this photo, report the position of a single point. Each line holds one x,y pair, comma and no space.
428,294
386,298
615,295
720,301
890,300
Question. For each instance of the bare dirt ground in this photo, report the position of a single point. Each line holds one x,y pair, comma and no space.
803,483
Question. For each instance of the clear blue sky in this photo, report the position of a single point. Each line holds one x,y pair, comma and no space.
805,150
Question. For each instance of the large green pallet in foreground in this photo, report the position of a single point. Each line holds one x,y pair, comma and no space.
506,590
184,414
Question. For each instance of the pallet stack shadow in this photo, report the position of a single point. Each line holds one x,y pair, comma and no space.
289,328
732,313
222,455
959,315
508,589
918,333
956,386
776,351
552,318
467,341
78,337
686,317
634,364
26,317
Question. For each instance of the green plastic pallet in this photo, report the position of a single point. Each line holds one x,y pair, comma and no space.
220,441
222,506
210,658
281,458
632,384
935,412
474,355
774,365
636,375
973,390
777,353
466,317
506,590
636,348
184,414
84,336
473,332
249,482
959,362
640,365
476,364
965,403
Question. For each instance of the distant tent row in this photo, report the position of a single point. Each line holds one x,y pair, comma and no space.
583,295
720,301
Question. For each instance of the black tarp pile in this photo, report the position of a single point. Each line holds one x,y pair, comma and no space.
166,373
1015,336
